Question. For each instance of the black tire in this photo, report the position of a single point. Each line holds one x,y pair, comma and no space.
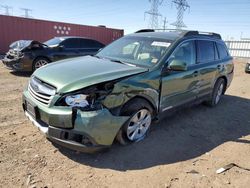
37,60
247,69
219,88
130,109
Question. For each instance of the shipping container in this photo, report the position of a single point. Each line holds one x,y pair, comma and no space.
14,28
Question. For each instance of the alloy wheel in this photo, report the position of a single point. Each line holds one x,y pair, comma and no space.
40,63
138,125
219,93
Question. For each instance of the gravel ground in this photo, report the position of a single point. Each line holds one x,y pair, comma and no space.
183,150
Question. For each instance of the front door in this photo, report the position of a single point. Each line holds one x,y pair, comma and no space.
179,87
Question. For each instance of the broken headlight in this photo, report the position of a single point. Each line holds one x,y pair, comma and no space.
79,100
87,99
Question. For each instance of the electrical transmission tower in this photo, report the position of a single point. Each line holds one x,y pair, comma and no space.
7,9
154,13
26,12
181,6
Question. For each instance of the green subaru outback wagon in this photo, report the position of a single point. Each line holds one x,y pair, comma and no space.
86,103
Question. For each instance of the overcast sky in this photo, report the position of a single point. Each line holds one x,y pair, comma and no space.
231,18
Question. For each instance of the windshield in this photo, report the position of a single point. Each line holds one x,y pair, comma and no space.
54,42
141,51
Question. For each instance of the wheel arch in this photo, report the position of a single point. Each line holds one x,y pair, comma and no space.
146,99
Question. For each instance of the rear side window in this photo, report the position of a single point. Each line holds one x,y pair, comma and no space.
205,51
222,51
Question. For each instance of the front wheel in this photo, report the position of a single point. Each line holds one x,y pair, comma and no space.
39,62
137,127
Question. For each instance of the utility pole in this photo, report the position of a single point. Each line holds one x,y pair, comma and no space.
165,23
154,13
7,8
181,6
26,12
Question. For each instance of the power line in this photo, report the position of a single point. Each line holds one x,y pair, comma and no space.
26,12
165,23
7,8
181,6
154,13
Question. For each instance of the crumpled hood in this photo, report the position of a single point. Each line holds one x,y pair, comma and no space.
77,73
22,44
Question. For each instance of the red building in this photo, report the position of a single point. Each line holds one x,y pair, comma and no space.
14,28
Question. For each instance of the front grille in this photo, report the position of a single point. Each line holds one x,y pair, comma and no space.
41,91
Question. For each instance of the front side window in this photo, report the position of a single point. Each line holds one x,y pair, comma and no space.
88,43
141,51
71,43
206,51
185,53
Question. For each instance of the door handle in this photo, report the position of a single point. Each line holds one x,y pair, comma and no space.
196,73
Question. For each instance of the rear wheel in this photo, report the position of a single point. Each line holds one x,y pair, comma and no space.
218,91
39,62
138,125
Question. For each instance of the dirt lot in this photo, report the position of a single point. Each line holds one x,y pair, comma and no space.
184,150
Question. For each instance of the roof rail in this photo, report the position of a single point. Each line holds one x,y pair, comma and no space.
186,33
202,33
154,30
145,30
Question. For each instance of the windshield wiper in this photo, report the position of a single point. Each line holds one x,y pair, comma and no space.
122,62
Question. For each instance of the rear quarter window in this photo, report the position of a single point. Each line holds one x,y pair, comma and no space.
223,53
205,51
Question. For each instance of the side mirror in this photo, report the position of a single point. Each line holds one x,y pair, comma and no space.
177,65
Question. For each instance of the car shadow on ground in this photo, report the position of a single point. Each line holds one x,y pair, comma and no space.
185,135
21,74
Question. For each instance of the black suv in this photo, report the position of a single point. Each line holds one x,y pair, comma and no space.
29,55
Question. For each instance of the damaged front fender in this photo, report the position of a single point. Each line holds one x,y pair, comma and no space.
132,87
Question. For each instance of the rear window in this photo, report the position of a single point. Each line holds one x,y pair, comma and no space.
206,51
222,51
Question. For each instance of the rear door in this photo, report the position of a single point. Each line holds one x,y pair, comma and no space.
180,87
209,65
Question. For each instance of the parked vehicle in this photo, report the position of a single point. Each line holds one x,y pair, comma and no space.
29,55
85,103
247,69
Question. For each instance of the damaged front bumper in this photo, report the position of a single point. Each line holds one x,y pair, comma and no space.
86,131
12,64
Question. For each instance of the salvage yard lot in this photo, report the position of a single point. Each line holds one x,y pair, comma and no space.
184,150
